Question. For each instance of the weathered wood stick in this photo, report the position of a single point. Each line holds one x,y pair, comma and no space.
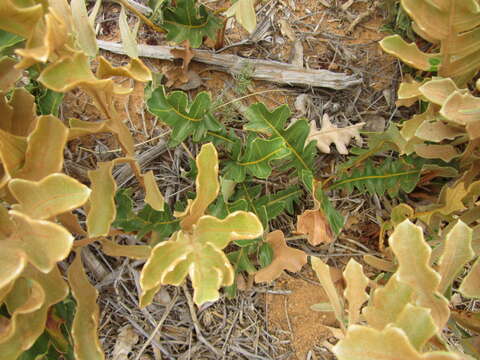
267,70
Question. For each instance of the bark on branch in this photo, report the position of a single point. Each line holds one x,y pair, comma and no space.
267,70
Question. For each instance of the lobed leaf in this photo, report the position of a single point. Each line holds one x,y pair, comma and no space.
387,303
364,343
184,118
294,137
284,258
256,159
199,254
51,196
187,22
29,326
413,255
329,134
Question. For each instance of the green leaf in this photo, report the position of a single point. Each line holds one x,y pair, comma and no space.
185,118
146,220
390,176
49,102
265,255
335,219
267,207
294,136
186,22
256,159
7,40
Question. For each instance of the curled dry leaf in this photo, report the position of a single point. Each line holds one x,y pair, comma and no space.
244,11
329,134
314,224
180,75
284,258
127,337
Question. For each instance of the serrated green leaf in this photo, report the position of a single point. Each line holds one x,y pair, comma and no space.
187,22
390,176
146,220
256,159
294,136
185,118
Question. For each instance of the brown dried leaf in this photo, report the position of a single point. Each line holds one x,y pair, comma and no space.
284,258
8,74
329,134
126,338
315,225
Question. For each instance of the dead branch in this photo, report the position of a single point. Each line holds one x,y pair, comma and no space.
267,70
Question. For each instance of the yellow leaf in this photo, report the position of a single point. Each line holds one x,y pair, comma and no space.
244,11
387,303
418,325
128,37
19,115
8,73
199,254
17,19
44,43
131,251
456,253
324,276
43,242
53,195
102,205
85,322
413,255
355,292
84,31
153,196
450,201
284,258
136,70
207,186
364,343
470,286
44,153
29,326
